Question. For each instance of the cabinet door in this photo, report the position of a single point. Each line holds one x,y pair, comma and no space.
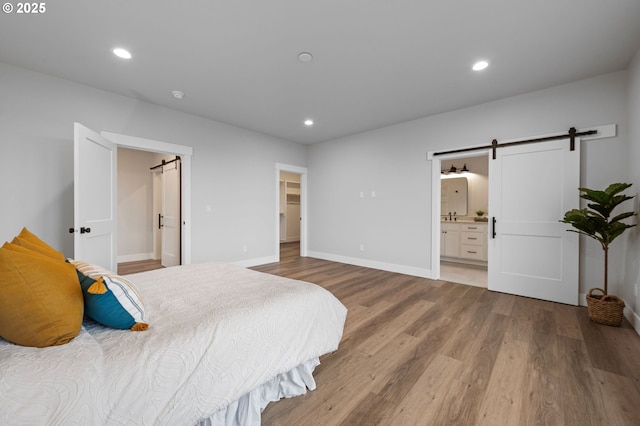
450,246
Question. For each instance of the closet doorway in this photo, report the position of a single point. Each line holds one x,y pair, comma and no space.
464,193
291,209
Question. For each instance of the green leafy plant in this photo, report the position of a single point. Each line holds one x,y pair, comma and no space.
480,213
596,222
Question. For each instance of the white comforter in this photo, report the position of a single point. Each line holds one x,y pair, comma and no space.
216,332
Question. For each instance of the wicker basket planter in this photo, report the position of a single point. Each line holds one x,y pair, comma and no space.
604,308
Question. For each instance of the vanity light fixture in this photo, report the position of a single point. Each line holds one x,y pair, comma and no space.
177,94
454,169
308,122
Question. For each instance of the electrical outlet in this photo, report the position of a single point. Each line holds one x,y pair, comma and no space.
635,290
245,249
361,247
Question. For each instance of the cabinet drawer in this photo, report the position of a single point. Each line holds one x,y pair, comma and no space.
473,238
472,227
472,252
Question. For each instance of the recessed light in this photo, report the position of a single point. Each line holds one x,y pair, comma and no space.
122,53
305,57
480,65
177,94
308,122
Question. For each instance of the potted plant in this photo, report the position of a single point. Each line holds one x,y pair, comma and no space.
480,216
596,222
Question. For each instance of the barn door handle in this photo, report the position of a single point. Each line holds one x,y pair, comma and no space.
159,220
493,227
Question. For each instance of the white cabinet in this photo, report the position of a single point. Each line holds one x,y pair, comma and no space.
449,240
464,241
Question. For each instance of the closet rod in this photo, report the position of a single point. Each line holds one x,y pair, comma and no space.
572,134
165,162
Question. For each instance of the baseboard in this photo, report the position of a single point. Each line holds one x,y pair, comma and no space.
383,266
633,318
247,263
134,257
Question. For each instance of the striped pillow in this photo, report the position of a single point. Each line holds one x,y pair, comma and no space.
110,299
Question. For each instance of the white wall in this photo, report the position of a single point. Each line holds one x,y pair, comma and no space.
37,112
395,226
632,267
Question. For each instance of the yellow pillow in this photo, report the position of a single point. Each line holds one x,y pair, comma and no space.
40,298
33,242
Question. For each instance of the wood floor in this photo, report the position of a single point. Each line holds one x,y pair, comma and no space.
423,352
138,266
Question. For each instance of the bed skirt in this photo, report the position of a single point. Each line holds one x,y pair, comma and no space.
247,410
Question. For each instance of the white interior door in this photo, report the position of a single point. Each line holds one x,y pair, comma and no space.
530,252
171,214
95,162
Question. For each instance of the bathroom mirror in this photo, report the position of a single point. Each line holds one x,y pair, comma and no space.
454,196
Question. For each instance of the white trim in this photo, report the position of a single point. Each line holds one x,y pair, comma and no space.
633,318
383,266
302,171
185,153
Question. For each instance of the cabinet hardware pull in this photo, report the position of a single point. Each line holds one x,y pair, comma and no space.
472,238
493,227
471,252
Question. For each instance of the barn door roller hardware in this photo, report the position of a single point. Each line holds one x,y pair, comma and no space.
571,135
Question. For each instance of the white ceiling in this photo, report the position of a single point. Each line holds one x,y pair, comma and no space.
376,62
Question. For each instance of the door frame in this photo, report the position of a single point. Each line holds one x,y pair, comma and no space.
185,153
302,171
603,132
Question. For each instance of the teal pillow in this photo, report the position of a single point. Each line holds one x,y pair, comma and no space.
112,301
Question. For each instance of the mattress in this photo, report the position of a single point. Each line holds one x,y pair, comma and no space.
217,331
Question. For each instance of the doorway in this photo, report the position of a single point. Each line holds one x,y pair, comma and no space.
291,208
464,200
185,153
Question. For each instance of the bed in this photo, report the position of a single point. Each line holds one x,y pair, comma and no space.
223,341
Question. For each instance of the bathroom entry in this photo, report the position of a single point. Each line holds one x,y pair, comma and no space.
464,194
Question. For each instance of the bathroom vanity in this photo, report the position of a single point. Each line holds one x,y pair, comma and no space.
464,241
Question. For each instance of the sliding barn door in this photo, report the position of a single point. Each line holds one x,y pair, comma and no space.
171,214
94,188
530,252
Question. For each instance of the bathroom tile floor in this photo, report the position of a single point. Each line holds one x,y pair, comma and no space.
464,274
